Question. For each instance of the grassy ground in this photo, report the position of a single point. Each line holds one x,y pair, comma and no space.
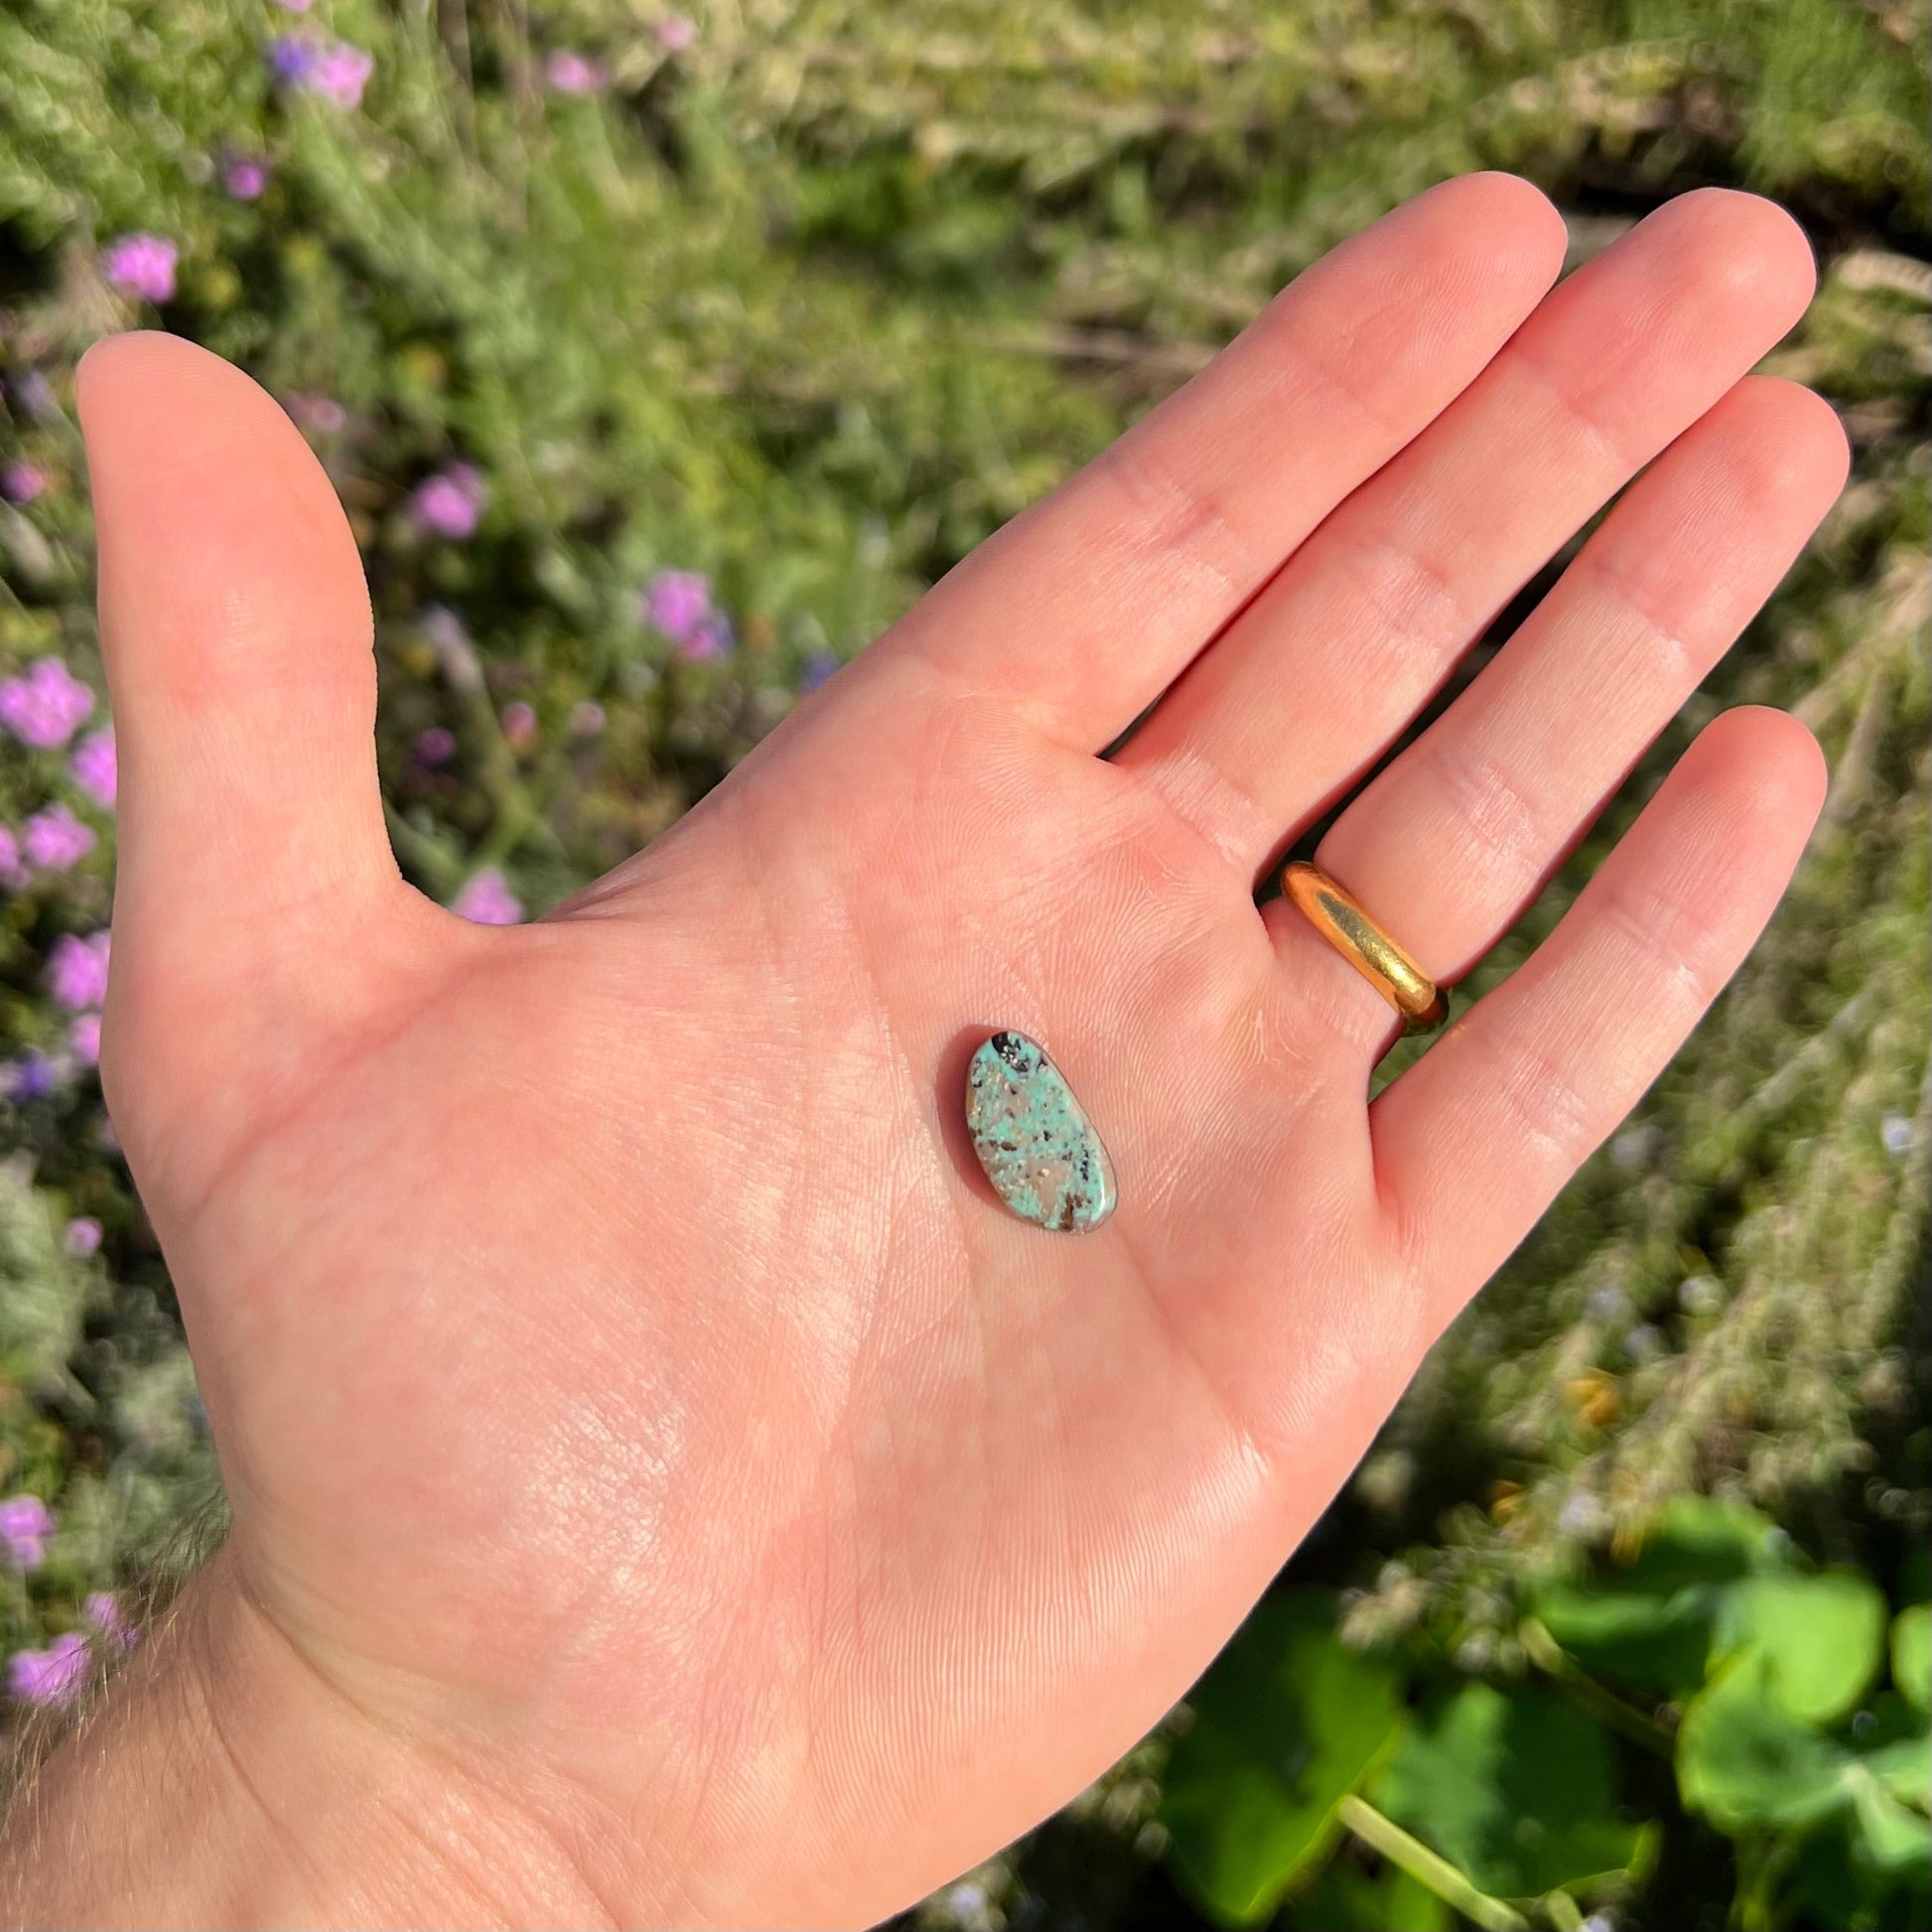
810,301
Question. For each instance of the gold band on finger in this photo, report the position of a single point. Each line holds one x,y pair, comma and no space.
1342,920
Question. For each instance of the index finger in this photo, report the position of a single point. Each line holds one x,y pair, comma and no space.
1085,607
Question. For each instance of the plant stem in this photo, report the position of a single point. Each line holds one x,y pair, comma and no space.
1590,1697
1565,1913
1427,1868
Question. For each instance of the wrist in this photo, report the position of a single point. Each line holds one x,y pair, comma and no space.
222,1780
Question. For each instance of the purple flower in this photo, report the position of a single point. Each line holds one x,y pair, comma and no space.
12,873
486,899
49,1676
291,58
95,768
711,638
25,1525
818,667
31,1077
81,1236
295,6
587,719
36,396
435,746
246,176
46,705
141,264
450,502
322,414
677,602
339,73
676,32
76,971
22,482
519,725
55,840
107,1619
83,1037
571,73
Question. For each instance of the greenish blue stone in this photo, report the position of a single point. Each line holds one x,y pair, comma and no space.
1034,1140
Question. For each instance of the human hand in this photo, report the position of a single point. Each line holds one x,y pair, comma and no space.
667,1487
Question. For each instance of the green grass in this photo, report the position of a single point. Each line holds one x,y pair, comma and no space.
814,306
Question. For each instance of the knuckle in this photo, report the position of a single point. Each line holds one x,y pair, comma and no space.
1497,823
1543,1095
1664,942
1184,523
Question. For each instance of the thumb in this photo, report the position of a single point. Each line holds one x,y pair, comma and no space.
236,634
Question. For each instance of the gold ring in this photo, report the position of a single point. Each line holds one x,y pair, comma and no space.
1342,920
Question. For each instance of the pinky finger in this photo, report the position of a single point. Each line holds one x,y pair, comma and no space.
1476,1139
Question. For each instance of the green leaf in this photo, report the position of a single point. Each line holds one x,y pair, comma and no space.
1834,1881
1911,1655
1904,1766
1649,1623
1698,1540
1659,1642
1344,1899
1823,1637
1516,1788
1744,1761
1286,1723
1892,1837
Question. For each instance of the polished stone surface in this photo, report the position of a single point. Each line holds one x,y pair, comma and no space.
1034,1140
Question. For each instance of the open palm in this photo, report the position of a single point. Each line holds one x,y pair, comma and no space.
632,1398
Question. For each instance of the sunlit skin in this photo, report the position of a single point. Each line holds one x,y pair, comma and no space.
668,1488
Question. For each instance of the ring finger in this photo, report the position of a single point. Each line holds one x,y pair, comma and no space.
1458,833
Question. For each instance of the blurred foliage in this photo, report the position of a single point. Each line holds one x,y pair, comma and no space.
1508,1798
811,299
